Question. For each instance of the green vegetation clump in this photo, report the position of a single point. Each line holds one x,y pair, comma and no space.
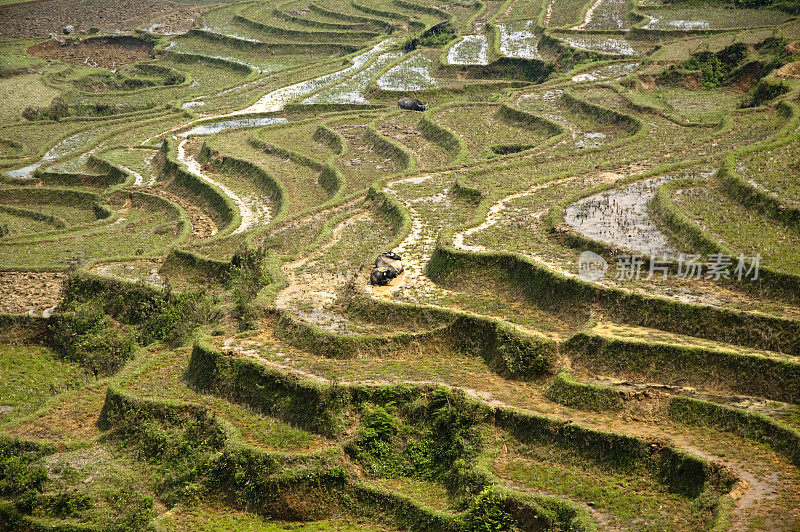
715,68
19,475
486,513
434,37
156,314
86,335
431,439
765,91
732,64
57,110
182,450
247,276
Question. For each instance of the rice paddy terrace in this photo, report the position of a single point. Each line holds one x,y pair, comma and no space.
598,213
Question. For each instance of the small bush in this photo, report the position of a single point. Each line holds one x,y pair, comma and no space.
246,278
84,334
134,510
430,442
57,110
765,92
436,37
62,505
18,475
177,317
486,513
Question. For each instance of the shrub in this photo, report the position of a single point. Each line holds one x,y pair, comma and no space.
63,504
765,91
431,441
246,277
134,510
177,316
714,71
715,68
486,513
157,314
84,334
18,475
57,110
436,36
376,446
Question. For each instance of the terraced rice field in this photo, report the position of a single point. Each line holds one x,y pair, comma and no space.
597,326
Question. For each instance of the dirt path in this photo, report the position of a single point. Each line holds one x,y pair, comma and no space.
253,211
587,19
203,226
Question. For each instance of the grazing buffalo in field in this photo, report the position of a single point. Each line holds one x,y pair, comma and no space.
390,261
412,104
387,267
381,277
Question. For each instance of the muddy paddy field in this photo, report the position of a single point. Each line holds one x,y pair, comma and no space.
596,208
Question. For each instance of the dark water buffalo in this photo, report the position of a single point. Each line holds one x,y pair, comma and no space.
381,277
412,104
387,267
390,261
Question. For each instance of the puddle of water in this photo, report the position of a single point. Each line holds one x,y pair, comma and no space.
518,40
590,140
199,101
352,90
605,15
607,72
545,104
470,50
134,272
609,45
138,179
619,217
216,127
656,23
413,74
277,99
63,148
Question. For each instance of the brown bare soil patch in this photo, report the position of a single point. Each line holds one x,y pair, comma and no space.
72,416
793,47
790,70
647,83
203,225
106,52
747,77
40,18
22,291
693,81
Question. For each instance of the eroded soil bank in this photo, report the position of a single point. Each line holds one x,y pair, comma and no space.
105,52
